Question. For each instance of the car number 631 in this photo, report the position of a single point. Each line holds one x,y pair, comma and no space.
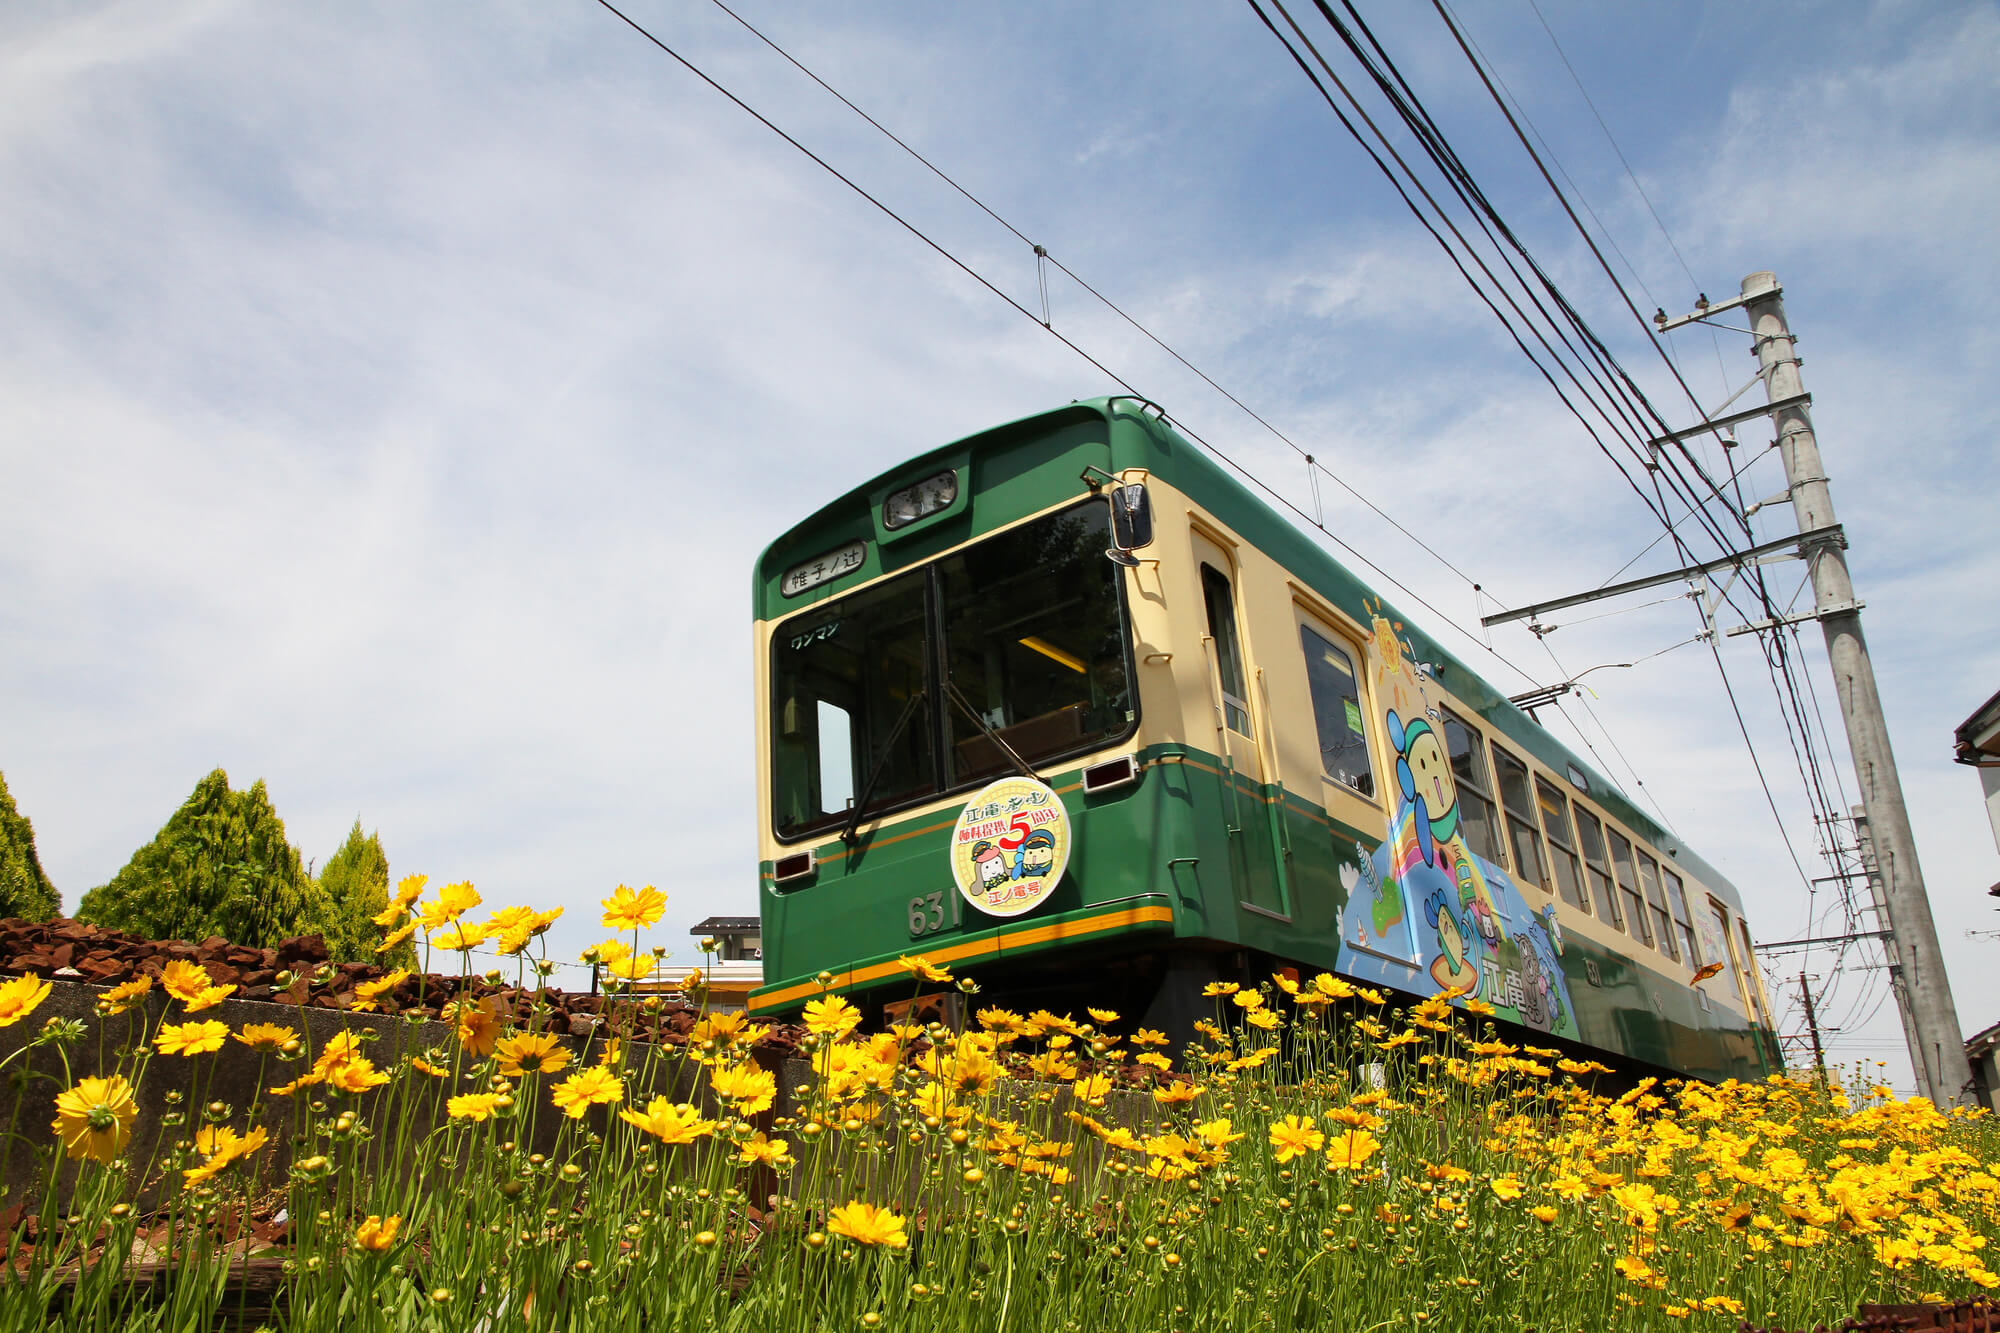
927,914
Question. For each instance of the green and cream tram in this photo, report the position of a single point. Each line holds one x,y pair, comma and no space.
1065,707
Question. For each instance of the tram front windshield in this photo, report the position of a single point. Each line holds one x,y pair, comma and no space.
1028,628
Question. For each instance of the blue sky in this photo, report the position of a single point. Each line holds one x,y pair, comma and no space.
393,397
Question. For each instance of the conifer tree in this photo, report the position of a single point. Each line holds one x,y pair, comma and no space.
24,890
355,888
220,866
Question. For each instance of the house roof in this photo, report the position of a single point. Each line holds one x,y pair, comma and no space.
727,925
1979,734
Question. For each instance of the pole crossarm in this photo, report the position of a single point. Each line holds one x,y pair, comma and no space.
1831,532
1733,419
1826,939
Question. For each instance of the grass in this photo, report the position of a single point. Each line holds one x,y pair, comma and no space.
1329,1160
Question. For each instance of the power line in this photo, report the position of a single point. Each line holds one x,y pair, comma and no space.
1098,365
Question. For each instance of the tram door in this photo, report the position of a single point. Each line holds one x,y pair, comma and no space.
1253,855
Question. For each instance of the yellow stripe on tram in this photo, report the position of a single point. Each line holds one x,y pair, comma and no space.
992,946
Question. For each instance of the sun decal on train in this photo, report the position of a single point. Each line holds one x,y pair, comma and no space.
1427,912
1010,846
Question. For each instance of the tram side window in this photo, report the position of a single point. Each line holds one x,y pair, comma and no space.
1221,604
1336,700
1663,925
1475,794
1519,802
1590,837
1562,846
1683,924
1628,889
1752,981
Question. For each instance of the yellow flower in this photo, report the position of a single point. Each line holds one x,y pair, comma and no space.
610,951
370,991
668,1121
750,1088
1332,987
1637,1270
20,997
410,888
865,1224
184,980
478,1024
389,915
1544,1213
1406,1037
1263,1018
1176,1094
587,1088
221,1146
191,1038
1295,1136
1154,1060
1056,1064
1148,1037
543,920
94,1118
1247,999
767,1152
1507,1188
530,1053
636,968
1354,1117
507,918
627,909
377,1234
409,929
462,936
1103,1015
119,998
1351,1149
474,1105
356,1075
209,997
831,1016
266,1037
454,901
1092,1088
1216,989
922,968
423,1066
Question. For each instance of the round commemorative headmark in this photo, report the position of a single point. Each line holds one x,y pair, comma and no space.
1010,847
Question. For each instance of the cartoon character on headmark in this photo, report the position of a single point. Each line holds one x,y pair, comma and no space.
1037,855
991,864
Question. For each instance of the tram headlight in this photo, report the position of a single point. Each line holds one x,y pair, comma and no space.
927,497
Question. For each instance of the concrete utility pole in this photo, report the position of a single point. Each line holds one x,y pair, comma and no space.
1930,1015
1864,847
1812,1026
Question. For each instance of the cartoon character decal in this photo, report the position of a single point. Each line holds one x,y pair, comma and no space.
1452,969
1476,932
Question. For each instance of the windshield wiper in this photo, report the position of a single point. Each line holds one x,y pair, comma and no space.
965,706
847,831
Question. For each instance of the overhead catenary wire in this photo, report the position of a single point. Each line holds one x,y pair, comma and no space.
1044,259
1073,346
